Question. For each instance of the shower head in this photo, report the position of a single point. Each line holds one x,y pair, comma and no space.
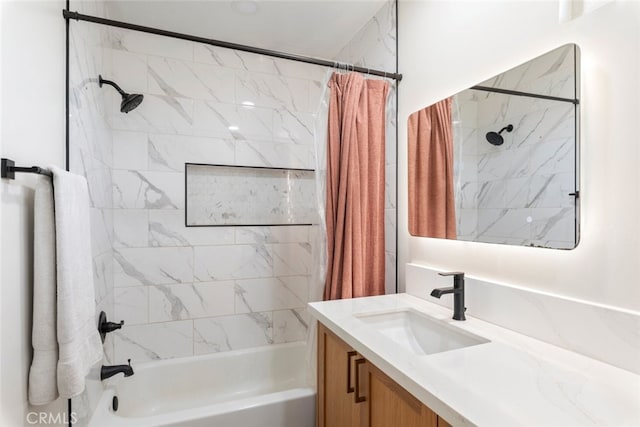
495,138
129,100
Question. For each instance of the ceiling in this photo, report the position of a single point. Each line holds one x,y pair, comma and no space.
318,28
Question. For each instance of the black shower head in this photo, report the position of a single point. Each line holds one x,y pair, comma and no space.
129,100
495,138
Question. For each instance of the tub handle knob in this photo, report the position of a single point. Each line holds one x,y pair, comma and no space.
104,327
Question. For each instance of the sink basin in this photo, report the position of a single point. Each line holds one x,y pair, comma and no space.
419,333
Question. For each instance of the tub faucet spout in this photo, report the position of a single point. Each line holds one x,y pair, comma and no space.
109,371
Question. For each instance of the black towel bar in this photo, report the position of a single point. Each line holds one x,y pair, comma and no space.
9,169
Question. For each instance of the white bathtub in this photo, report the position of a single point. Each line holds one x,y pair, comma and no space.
263,387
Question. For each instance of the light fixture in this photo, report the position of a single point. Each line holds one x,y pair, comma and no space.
233,128
248,104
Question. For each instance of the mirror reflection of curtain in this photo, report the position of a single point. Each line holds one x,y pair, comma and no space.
355,187
431,196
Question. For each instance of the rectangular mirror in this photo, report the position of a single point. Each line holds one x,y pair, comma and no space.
498,162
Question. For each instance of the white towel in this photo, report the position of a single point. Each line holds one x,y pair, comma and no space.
79,343
65,339
43,387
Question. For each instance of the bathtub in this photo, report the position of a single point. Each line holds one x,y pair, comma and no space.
264,387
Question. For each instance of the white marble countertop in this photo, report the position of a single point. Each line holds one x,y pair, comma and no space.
513,380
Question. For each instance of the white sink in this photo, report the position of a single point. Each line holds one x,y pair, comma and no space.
419,333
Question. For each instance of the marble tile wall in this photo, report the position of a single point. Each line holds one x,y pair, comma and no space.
90,155
189,291
90,151
550,74
221,195
518,192
374,46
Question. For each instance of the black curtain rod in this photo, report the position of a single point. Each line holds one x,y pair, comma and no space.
518,93
309,60
9,169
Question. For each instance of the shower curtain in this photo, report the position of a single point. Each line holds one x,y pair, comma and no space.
430,148
355,185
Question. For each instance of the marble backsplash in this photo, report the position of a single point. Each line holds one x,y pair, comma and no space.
595,330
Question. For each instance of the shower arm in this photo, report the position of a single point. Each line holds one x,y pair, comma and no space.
508,128
102,81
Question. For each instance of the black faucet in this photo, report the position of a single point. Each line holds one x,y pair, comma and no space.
109,371
458,294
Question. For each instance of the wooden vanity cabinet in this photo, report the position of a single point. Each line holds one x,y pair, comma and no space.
336,375
388,404
352,392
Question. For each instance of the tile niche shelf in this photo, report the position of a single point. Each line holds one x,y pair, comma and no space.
226,195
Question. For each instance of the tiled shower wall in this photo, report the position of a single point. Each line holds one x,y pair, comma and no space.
185,291
375,47
518,192
90,148
90,155
189,291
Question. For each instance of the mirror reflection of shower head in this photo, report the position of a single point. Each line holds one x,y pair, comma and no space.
495,138
129,100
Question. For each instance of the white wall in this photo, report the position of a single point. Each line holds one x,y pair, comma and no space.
32,132
495,36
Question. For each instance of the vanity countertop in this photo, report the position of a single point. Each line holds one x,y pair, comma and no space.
513,380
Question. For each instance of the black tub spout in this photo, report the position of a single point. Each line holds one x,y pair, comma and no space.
109,371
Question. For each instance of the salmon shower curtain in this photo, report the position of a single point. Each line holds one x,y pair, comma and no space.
430,152
355,187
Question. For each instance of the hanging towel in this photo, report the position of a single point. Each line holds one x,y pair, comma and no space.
43,387
65,339
79,343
